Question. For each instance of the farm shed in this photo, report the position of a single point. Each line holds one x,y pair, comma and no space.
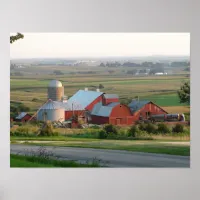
144,109
23,117
113,113
109,98
81,101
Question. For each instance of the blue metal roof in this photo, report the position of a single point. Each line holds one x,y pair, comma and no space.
54,105
137,105
82,99
103,111
21,115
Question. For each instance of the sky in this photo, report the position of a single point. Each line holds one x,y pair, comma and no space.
71,45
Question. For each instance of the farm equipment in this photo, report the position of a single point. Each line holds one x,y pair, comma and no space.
167,118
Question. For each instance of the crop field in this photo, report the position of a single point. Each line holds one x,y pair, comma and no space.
33,84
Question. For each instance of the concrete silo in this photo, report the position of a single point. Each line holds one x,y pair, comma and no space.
55,90
51,111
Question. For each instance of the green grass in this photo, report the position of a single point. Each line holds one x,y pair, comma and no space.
165,100
80,138
150,146
17,162
147,148
34,161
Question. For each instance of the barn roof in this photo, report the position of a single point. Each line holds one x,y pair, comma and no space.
137,105
103,111
113,104
54,105
82,99
21,115
111,96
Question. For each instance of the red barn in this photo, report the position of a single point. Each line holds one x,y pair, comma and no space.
113,113
82,101
23,117
109,98
144,109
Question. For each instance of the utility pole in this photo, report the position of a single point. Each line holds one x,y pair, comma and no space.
73,109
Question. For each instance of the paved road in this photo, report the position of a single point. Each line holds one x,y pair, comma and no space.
111,158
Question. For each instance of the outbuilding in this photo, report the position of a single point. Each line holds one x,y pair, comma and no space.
82,101
109,98
144,109
113,113
23,117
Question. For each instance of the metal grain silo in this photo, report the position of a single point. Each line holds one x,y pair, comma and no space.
51,111
55,90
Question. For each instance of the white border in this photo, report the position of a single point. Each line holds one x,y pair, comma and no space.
98,16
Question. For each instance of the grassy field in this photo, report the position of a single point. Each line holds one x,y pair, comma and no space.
159,89
75,135
33,161
177,109
162,146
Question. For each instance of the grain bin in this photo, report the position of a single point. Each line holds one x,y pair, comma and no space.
51,111
55,90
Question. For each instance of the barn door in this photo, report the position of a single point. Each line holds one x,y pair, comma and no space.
118,121
148,114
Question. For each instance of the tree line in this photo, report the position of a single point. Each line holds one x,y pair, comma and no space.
146,64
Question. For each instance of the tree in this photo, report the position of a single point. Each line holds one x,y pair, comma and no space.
57,72
101,86
184,93
13,38
102,65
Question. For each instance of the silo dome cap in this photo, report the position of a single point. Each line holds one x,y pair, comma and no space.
55,83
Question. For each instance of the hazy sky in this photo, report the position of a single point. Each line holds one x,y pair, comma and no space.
65,45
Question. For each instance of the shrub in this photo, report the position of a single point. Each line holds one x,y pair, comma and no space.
47,130
133,131
55,133
18,123
178,128
150,128
109,128
101,86
95,127
143,135
25,130
122,132
142,127
187,116
163,128
102,134
35,99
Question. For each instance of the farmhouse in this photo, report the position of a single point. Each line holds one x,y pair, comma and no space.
144,109
23,117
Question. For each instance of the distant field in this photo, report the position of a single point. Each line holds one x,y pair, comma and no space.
160,89
165,100
176,109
